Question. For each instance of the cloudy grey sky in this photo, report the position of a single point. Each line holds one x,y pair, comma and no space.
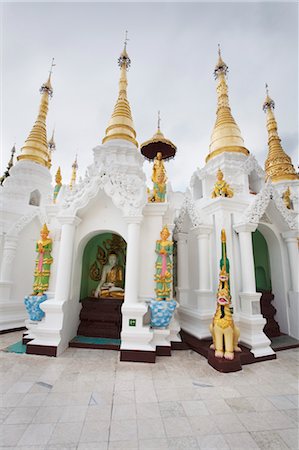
173,48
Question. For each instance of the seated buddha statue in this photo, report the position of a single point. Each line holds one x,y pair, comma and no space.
111,284
221,187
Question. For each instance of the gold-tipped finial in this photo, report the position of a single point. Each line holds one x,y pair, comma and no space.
51,148
121,123
226,135
36,146
9,166
74,173
278,165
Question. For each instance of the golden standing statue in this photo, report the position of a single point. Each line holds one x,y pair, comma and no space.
159,178
221,187
286,196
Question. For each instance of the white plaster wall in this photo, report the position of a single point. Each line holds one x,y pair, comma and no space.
25,261
279,274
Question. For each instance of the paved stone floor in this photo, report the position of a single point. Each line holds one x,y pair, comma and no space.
87,399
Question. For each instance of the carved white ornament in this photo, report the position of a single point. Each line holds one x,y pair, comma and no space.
188,207
257,209
126,190
251,164
18,226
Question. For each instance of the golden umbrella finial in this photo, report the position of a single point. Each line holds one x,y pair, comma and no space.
158,143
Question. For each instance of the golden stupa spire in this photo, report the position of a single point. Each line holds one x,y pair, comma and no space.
74,173
121,123
51,149
278,165
36,146
226,135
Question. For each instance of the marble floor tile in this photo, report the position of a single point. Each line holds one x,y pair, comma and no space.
203,425
212,442
260,404
281,402
95,432
123,412
34,399
123,430
239,405
269,440
148,410
240,441
4,413
254,421
92,446
123,445
177,426
290,437
145,396
181,443
167,395
277,420
21,415
98,412
73,414
66,433
153,444
147,428
37,434
11,434
48,414
124,397
228,423
217,406
195,408
171,409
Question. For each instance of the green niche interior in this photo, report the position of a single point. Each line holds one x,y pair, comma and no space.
261,262
95,256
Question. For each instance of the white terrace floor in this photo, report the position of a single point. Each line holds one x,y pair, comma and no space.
87,399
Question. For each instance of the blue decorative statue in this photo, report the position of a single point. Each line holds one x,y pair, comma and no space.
32,303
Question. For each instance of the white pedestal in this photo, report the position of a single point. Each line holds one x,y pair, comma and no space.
135,335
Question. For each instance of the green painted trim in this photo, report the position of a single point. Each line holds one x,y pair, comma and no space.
96,340
261,262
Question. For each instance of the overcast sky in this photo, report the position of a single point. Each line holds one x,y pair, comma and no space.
173,49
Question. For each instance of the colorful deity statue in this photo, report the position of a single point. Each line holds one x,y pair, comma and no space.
224,332
43,262
221,187
163,277
159,178
286,196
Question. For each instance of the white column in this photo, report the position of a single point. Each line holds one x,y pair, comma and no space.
65,261
134,335
132,261
6,273
251,322
9,253
203,245
291,239
247,261
182,260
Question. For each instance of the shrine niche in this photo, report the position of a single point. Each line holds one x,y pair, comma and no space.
103,268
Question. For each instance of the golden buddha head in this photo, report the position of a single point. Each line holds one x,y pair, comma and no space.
165,233
219,175
159,156
44,232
